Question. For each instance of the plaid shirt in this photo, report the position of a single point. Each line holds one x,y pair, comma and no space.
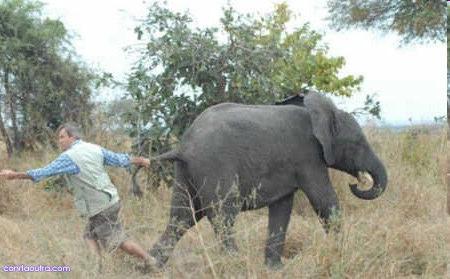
64,165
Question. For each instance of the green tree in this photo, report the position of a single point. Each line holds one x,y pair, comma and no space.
448,68
448,37
413,20
249,59
41,84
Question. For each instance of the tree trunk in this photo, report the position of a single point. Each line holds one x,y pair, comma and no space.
16,137
12,108
448,114
9,147
221,89
448,185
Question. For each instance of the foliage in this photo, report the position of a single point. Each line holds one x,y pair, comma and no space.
413,20
371,106
448,67
249,59
448,37
41,84
55,184
416,151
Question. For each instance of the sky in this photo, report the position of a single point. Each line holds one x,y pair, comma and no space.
409,81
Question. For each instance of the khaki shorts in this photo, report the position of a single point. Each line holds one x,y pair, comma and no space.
105,227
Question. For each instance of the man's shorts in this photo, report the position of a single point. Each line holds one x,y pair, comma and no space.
105,227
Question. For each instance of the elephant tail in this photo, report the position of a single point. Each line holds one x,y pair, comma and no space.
173,155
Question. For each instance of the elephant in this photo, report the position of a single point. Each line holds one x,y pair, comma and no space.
237,157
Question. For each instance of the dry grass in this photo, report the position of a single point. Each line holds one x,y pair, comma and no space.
403,234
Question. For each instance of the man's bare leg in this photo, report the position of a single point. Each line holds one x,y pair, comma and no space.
132,248
94,248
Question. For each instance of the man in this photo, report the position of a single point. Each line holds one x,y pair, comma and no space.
96,198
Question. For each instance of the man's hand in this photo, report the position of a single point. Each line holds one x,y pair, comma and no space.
140,161
8,174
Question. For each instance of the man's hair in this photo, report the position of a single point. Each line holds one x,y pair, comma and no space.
72,130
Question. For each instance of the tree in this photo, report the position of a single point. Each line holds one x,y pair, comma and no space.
413,20
41,84
448,69
183,70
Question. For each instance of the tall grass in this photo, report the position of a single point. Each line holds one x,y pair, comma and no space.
404,233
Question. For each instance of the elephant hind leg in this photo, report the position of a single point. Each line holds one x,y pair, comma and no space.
185,211
222,217
222,224
279,217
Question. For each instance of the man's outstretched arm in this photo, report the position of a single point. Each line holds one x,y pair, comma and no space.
10,175
61,165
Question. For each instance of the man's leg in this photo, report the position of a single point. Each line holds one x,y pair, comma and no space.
110,233
93,246
132,248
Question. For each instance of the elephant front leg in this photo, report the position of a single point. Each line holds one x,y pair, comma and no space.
279,216
324,201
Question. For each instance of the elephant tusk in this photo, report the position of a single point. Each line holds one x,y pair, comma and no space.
365,178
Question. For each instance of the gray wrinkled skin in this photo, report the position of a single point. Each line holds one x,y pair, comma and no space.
238,157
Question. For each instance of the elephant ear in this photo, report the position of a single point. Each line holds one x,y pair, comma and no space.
323,118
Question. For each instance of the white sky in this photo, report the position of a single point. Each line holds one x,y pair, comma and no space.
410,81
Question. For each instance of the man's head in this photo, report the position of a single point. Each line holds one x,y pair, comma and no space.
67,134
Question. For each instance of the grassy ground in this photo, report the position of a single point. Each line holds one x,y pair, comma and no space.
403,234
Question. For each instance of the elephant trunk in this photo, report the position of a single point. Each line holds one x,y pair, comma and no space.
379,177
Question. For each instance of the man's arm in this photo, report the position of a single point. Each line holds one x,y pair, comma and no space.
122,159
10,175
61,165
140,161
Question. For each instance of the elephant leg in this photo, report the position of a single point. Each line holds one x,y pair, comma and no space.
184,213
279,216
324,200
222,219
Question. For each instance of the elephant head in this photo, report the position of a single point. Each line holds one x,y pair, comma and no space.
344,145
